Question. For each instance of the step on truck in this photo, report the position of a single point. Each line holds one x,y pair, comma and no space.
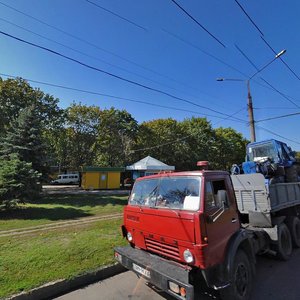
204,227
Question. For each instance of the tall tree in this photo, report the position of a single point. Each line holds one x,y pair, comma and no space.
229,149
80,134
116,137
18,181
24,138
17,94
162,139
199,142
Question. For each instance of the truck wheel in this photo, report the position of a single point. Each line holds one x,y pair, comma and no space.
284,245
240,278
291,174
293,224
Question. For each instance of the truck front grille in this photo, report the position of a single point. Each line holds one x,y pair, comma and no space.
163,249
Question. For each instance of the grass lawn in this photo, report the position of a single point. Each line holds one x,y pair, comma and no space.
53,208
32,260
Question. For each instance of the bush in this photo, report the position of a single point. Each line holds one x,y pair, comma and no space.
18,181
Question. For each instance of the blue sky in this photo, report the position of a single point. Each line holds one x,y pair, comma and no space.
160,47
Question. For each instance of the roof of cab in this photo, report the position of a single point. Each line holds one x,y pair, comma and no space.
184,173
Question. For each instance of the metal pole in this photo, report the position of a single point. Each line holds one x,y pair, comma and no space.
251,115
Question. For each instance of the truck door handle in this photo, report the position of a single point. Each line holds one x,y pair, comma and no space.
233,220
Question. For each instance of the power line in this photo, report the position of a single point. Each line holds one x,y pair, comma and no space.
244,11
204,52
280,93
87,55
269,85
87,42
270,47
245,56
278,117
190,16
281,108
117,97
117,15
276,134
111,74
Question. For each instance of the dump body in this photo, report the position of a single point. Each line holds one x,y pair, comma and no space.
261,201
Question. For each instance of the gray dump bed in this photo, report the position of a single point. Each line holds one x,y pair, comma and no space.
257,199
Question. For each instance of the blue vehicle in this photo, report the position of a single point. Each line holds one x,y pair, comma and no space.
274,159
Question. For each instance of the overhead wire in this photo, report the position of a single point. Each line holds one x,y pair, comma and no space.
265,41
278,135
280,93
111,74
271,48
87,55
268,84
278,117
203,51
117,97
87,42
198,23
116,15
250,19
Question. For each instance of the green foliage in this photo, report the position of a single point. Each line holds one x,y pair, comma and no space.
115,138
17,94
24,138
86,135
230,148
18,181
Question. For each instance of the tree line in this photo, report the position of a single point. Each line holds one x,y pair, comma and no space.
36,134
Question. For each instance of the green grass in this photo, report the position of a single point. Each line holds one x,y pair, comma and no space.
53,208
29,261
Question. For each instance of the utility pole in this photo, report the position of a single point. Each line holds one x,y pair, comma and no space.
250,104
251,115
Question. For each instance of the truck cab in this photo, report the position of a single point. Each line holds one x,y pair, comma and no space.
182,225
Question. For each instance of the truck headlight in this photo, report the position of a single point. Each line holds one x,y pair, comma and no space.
129,236
188,256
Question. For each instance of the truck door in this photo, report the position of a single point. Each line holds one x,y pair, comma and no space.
221,215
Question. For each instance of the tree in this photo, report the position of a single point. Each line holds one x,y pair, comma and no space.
199,142
17,94
80,135
229,148
24,138
162,139
115,138
17,181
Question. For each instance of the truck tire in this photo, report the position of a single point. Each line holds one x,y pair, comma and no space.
293,224
291,174
241,279
284,245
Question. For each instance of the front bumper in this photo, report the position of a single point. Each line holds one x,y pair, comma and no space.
156,270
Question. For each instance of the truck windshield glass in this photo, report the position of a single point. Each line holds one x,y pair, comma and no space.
262,152
167,192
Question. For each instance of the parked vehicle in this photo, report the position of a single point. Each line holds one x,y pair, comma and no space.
272,158
206,227
66,179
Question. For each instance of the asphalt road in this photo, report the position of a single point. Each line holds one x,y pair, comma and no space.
274,280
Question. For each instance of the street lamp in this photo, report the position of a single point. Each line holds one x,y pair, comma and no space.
250,103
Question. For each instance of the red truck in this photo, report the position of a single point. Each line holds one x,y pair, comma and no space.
188,229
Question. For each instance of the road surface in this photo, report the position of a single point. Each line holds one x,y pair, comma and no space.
274,280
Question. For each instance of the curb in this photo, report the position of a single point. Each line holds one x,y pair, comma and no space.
63,286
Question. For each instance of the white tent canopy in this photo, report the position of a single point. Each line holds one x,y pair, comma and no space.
150,164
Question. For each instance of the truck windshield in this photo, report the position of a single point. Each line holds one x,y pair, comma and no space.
182,192
262,152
